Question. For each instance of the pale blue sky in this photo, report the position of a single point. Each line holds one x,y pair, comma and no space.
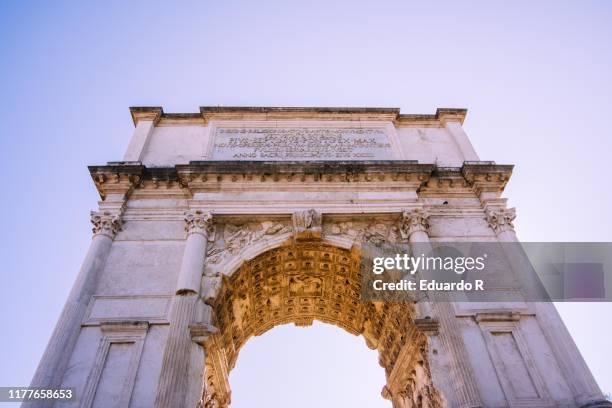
535,77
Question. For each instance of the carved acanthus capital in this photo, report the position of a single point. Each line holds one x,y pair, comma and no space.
413,220
501,219
106,223
307,224
199,222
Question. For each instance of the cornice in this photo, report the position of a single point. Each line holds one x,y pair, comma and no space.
282,167
117,178
208,113
202,175
428,179
152,113
441,116
277,113
487,176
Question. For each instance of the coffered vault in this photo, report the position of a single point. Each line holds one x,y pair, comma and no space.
219,225
297,283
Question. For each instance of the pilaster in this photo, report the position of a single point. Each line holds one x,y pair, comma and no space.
145,120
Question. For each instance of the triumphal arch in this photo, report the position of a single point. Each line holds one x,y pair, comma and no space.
219,225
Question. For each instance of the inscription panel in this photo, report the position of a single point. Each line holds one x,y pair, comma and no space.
301,144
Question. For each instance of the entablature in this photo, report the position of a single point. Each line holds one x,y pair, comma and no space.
185,180
209,113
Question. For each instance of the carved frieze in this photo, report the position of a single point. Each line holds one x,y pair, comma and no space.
232,238
372,232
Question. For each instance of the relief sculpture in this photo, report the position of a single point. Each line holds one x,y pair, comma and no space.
234,238
376,232
305,286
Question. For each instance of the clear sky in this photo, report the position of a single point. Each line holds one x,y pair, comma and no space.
535,77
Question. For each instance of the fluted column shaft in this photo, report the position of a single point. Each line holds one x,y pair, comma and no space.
50,371
174,380
574,368
465,390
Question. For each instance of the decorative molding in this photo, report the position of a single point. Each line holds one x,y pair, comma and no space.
209,113
217,392
409,383
203,175
150,308
118,178
487,177
494,328
498,316
184,180
200,332
199,222
428,326
151,113
131,332
106,223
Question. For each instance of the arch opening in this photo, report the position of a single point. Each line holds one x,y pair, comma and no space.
316,366
305,281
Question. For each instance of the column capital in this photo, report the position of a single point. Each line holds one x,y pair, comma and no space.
199,222
106,223
413,220
501,219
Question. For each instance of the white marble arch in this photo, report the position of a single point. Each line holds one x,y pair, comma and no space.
410,352
434,174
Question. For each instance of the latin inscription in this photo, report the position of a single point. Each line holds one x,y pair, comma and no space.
301,144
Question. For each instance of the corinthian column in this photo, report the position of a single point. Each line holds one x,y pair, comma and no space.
413,226
53,363
181,358
577,374
461,390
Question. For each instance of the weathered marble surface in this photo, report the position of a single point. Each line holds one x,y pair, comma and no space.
190,259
